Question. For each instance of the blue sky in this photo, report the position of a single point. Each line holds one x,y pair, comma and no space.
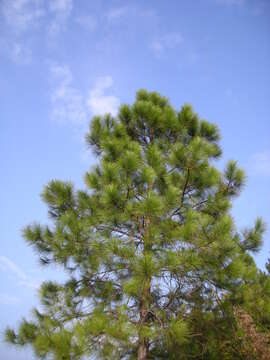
62,61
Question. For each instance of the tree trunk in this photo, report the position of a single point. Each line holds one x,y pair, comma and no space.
144,309
142,351
145,302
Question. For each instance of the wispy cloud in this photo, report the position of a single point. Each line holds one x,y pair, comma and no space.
22,18
260,163
100,103
20,53
88,22
71,106
60,11
131,12
117,13
6,299
75,107
166,42
20,15
61,6
10,267
16,50
68,104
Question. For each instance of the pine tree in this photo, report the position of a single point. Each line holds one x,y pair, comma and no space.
154,259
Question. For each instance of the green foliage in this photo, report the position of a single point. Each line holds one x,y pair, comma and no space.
154,259
235,178
253,237
178,332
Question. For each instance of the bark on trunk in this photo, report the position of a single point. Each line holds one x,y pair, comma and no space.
142,351
145,303
143,343
144,308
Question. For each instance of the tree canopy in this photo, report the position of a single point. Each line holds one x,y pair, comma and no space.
156,266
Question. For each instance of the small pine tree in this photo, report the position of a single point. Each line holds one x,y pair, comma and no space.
153,255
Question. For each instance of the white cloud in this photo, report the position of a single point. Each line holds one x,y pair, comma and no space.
71,106
166,42
68,104
132,12
60,11
62,73
88,22
260,163
6,299
22,18
100,103
117,13
20,53
19,19
20,15
10,267
61,6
